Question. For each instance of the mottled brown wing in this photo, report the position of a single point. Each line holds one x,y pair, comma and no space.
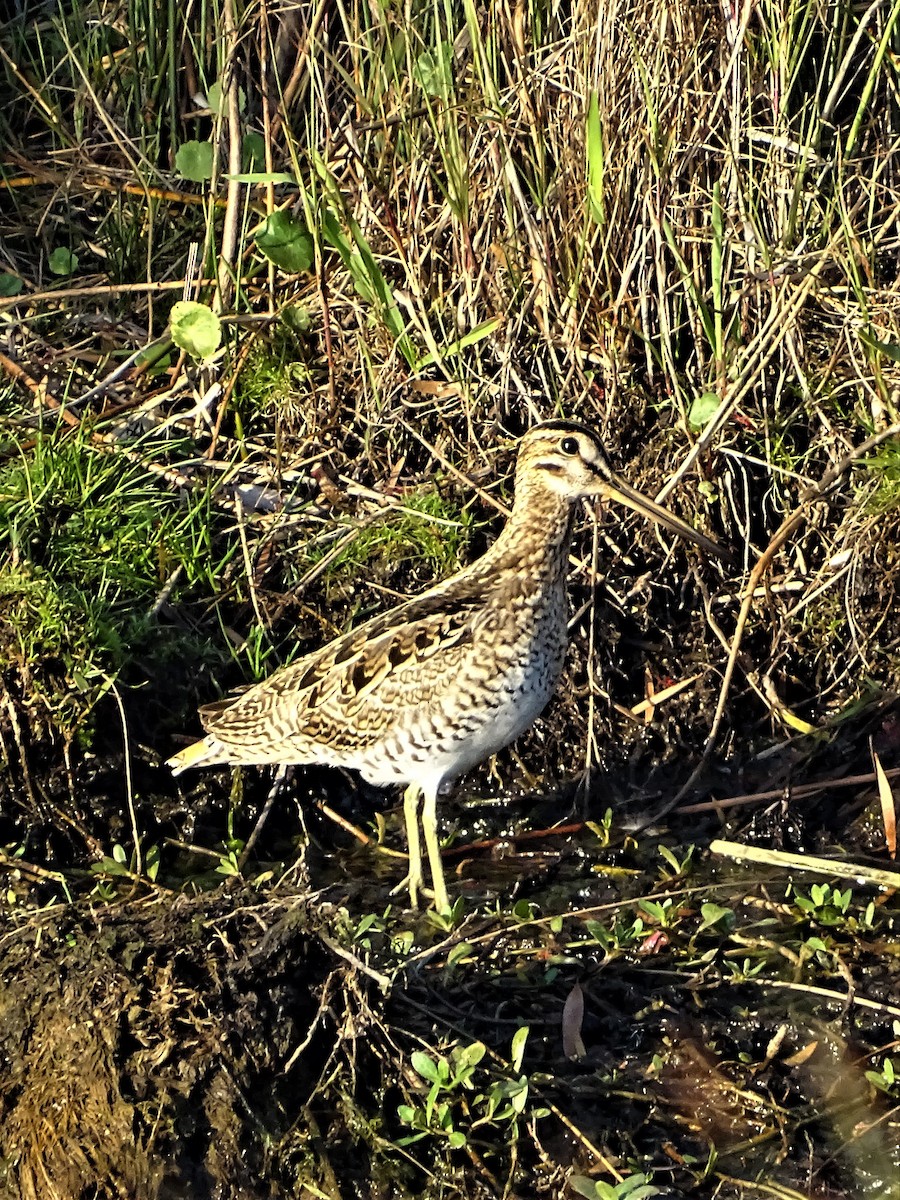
344,693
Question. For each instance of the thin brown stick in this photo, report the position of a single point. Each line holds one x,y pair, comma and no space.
99,289
798,790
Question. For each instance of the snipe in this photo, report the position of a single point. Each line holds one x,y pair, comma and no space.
421,694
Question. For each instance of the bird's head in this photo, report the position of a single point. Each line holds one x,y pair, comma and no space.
567,458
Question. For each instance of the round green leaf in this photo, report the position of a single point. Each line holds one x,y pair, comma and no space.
286,242
10,285
702,410
471,1056
195,328
298,318
63,262
194,161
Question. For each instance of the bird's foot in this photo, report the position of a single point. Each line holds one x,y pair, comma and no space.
412,883
416,888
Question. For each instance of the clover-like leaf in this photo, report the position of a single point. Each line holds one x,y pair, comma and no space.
702,410
194,161
286,242
195,328
62,261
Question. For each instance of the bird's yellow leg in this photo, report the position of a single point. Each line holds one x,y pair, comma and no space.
429,828
413,879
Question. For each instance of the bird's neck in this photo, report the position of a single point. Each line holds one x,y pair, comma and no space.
536,537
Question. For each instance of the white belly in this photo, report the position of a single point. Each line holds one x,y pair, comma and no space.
453,733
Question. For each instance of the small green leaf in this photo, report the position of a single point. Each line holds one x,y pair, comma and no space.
10,285
425,1066
714,913
517,1050
518,1097
195,328
635,1187
595,161
485,329
457,1139
703,410
152,862
262,177
434,1111
889,349
155,358
108,866
433,70
366,923
584,1186
471,1056
670,858
194,161
63,262
286,242
460,951
598,932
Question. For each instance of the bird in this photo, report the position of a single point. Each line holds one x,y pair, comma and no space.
422,693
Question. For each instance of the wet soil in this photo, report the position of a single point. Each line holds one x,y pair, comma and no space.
204,1036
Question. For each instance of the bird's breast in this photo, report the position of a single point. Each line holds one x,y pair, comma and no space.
498,690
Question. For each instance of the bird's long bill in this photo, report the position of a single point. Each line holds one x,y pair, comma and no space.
618,489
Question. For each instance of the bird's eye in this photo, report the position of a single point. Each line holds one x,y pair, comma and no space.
569,445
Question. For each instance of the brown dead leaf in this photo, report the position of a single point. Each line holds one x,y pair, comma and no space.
888,804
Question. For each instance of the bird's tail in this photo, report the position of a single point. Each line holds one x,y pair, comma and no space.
207,750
